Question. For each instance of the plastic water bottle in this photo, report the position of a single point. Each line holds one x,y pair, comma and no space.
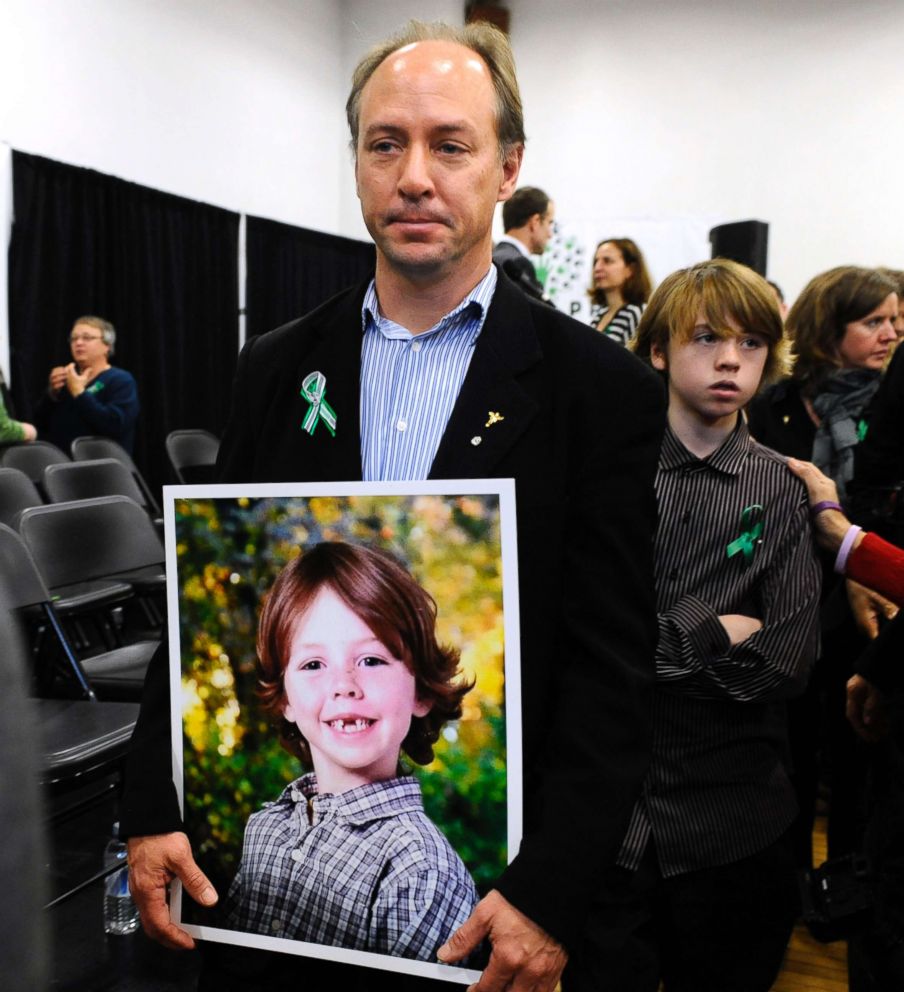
120,913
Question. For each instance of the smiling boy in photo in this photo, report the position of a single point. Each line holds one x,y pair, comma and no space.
704,894
353,674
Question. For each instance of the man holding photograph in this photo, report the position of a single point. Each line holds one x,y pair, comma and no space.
441,368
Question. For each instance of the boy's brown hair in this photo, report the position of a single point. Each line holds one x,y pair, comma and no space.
722,290
399,611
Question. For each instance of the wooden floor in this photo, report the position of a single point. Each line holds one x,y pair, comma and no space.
809,965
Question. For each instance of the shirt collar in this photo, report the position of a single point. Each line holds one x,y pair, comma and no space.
509,240
728,458
361,805
470,313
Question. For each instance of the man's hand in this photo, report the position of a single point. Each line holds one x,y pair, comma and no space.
154,862
75,380
869,608
57,378
524,957
865,709
739,627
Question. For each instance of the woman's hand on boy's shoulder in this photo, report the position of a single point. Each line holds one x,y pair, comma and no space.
524,957
154,861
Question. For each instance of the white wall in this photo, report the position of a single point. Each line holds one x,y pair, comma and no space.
231,102
661,118
787,111
653,117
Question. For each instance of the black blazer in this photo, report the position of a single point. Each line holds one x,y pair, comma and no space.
582,425
519,269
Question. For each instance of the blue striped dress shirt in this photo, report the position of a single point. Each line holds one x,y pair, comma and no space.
410,382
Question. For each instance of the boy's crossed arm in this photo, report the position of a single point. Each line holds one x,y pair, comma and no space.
733,656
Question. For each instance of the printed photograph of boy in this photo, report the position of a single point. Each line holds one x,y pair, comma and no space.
343,714
353,675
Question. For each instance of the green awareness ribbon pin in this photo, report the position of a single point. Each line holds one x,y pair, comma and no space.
95,387
313,389
747,540
862,428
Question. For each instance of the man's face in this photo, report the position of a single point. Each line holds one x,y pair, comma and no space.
542,231
87,345
428,166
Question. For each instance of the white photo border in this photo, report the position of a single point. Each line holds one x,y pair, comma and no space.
504,489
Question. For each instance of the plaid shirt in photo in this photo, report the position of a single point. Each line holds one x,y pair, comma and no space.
364,869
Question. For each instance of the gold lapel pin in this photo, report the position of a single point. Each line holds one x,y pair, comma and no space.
494,418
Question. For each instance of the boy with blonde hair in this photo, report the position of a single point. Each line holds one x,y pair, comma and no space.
703,896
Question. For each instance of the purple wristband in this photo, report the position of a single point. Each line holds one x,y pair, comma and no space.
844,551
826,504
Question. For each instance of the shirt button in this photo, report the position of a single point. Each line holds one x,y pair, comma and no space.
416,347
276,925
296,855
401,425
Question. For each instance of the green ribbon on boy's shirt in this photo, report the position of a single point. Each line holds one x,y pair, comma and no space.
745,543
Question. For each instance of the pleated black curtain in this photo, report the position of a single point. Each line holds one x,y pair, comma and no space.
162,268
291,270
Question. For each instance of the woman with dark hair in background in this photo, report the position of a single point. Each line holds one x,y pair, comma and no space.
842,332
621,287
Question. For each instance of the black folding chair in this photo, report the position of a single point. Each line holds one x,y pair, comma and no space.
115,674
78,594
22,867
17,493
89,479
192,454
33,458
74,749
89,448
105,540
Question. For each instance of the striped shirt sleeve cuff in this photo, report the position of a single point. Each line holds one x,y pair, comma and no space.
701,631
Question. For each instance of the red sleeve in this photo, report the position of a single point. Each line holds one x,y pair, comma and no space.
878,565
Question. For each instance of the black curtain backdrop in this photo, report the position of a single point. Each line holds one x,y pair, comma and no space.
162,268
291,271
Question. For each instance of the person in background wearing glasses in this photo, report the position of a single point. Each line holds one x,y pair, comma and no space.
528,218
89,396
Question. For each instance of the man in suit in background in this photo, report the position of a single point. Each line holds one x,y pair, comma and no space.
528,218
440,368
